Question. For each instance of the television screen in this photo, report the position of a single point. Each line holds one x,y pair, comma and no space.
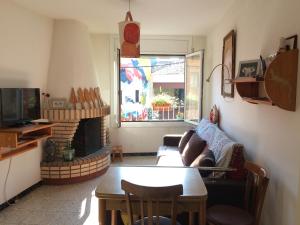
10,103
30,104
19,105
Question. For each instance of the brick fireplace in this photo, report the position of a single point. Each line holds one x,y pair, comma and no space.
70,45
68,120
75,125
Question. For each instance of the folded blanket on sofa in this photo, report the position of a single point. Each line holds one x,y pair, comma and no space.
217,141
227,153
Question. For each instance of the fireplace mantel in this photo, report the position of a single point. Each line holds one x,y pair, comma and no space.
61,115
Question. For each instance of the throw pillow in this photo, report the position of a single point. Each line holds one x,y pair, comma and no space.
184,140
193,148
205,159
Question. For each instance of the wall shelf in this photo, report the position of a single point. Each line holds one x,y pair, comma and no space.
261,100
279,83
4,154
248,80
14,141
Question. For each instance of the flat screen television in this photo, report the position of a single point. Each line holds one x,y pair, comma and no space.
19,106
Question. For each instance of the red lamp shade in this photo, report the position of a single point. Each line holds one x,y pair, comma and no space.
129,33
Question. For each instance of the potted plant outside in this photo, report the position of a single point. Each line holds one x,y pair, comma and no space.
162,102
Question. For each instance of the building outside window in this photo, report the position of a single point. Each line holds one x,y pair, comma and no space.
152,88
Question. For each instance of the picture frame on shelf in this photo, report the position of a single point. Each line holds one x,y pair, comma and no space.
250,68
292,42
287,44
228,61
57,103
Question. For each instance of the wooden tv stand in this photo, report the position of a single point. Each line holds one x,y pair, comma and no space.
14,141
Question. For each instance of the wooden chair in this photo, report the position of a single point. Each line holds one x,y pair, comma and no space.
151,196
256,186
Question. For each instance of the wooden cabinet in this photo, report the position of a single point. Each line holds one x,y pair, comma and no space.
17,140
279,85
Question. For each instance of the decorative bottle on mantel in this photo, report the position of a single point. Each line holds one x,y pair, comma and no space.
46,97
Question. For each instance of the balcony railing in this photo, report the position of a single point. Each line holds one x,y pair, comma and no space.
157,113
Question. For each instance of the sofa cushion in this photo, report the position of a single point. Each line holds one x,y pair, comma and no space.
205,159
184,139
193,148
167,151
174,160
169,156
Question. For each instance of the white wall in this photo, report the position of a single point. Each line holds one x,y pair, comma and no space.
102,61
145,136
25,40
71,63
270,134
24,47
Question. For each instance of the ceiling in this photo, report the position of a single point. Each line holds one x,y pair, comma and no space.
157,17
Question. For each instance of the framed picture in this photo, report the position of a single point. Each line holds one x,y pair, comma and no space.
228,61
57,103
250,68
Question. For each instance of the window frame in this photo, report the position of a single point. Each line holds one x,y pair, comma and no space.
201,53
120,122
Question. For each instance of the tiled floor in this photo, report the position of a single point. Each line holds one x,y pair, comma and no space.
62,205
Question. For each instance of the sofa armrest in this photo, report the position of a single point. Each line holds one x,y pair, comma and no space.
217,169
215,172
171,139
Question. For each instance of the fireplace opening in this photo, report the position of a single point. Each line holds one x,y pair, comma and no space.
87,138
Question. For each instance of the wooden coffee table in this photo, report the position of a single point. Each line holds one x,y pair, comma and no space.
111,196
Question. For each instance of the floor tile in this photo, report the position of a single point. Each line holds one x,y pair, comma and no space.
73,204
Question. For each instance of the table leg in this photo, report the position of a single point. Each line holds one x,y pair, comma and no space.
202,213
102,211
113,217
191,218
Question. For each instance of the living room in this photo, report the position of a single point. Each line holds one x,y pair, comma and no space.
59,45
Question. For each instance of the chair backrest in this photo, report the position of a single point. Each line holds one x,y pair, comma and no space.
256,187
151,196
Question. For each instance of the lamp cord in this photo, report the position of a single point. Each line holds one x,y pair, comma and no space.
5,182
129,5
211,73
